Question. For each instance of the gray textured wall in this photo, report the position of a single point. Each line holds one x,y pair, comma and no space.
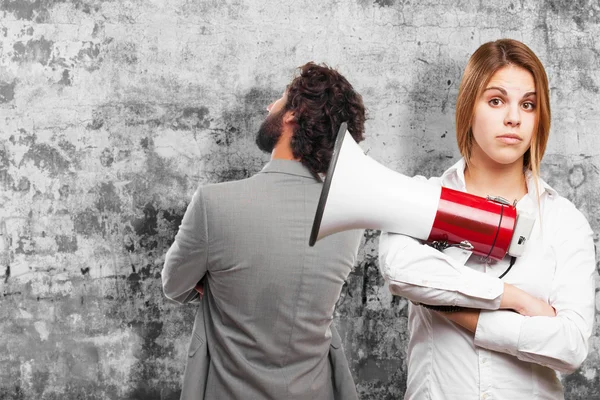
111,113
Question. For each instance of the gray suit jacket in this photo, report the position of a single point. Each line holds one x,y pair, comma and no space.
263,329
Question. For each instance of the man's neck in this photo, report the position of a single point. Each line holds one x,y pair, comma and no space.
282,153
283,148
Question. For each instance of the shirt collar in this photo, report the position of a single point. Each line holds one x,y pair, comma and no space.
290,167
455,177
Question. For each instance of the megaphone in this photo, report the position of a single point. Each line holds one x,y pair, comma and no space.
359,193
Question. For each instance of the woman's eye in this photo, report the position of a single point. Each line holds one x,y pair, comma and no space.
528,106
495,102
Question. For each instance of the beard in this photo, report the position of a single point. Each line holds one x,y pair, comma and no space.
269,132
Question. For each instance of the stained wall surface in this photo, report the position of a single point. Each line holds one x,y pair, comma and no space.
112,112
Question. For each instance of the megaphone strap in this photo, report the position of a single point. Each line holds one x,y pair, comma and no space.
512,262
497,230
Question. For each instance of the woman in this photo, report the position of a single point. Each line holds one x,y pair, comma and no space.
515,332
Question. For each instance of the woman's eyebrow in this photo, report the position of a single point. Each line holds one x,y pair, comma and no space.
501,90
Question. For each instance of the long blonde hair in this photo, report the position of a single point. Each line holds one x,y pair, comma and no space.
482,65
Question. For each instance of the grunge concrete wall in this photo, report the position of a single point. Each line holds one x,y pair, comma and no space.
112,112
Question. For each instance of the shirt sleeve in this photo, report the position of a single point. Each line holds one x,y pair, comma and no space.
187,259
425,275
560,342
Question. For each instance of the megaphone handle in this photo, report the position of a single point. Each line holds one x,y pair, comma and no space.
442,245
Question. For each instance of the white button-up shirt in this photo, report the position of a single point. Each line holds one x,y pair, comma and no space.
510,356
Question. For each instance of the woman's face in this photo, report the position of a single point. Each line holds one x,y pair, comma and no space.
505,116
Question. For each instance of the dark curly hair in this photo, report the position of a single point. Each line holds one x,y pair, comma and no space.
321,99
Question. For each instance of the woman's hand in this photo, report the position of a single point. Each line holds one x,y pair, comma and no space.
537,308
525,304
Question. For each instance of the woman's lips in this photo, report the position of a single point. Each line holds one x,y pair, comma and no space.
509,139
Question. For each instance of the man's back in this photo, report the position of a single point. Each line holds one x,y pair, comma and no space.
263,329
270,296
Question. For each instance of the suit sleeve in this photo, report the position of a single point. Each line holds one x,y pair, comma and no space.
186,261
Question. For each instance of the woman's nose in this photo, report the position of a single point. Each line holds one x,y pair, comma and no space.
513,117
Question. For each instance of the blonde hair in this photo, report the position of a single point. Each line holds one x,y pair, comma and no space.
483,64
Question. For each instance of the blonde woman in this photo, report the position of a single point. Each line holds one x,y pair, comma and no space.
513,334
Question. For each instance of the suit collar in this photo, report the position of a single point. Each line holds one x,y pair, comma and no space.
290,167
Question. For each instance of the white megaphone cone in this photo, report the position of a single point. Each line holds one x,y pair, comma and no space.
360,193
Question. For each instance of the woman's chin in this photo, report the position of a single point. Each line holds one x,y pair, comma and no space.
507,160
503,158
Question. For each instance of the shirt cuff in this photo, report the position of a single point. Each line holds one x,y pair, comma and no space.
499,331
480,285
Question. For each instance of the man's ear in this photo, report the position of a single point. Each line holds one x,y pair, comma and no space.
289,117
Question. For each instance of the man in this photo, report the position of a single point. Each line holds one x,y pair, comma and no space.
264,325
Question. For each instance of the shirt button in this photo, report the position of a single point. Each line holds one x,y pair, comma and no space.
484,396
484,360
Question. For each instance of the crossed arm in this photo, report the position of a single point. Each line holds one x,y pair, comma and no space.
503,317
513,299
186,262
